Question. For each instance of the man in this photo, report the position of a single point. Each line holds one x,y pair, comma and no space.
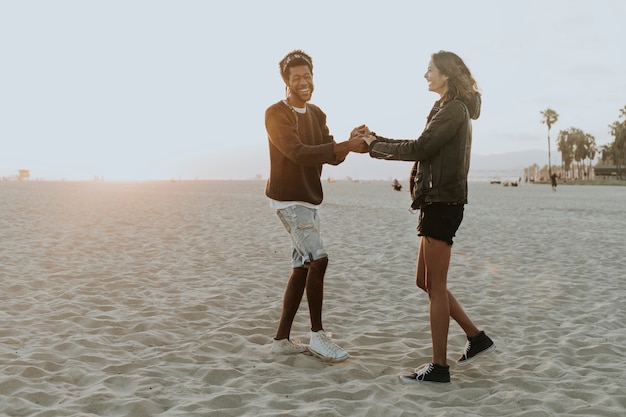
300,143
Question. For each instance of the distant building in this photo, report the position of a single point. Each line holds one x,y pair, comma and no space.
23,174
609,171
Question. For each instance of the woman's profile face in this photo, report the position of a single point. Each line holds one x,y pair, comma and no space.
437,82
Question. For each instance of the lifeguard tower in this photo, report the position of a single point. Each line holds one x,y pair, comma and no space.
24,174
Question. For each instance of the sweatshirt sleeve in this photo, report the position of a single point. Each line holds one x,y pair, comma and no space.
438,132
284,134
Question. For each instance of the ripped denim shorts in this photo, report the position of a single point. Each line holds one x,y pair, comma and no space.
303,225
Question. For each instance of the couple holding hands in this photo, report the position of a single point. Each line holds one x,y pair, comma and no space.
300,144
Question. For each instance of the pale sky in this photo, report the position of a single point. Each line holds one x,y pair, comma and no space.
137,90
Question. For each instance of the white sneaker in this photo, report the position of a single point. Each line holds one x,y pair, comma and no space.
321,346
287,347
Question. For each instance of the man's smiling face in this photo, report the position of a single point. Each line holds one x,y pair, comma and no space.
300,85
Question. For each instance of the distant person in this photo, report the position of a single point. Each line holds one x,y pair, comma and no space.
438,187
553,181
396,185
299,144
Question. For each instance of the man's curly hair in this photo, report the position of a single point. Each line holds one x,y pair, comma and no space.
293,58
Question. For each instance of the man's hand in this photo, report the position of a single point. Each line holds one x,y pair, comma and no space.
357,139
358,144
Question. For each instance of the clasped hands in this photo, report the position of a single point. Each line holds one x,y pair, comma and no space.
360,139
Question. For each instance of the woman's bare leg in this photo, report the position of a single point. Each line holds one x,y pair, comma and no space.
456,311
436,262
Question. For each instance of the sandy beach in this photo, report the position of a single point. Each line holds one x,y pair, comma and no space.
161,299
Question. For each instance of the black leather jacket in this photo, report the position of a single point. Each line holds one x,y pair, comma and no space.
441,154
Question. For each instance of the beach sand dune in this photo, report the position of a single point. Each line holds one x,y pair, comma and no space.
161,299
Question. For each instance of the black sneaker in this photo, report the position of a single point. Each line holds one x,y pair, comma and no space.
476,346
431,372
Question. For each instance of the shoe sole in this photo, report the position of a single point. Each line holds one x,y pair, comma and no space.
412,381
290,353
305,349
478,355
327,358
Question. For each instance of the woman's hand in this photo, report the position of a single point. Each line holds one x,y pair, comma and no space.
369,139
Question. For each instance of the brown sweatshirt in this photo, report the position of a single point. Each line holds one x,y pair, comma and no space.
299,145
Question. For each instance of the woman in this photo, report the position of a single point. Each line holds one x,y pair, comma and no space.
439,190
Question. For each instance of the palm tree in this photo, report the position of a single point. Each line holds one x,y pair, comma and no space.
550,117
592,149
607,153
564,145
618,147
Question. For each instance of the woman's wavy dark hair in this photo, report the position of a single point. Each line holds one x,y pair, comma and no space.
461,84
